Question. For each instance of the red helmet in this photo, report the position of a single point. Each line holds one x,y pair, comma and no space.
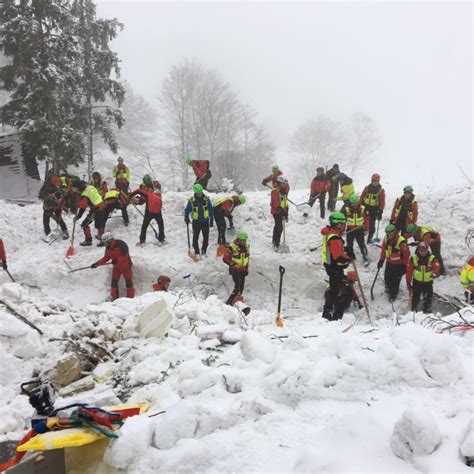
375,177
163,279
471,261
55,181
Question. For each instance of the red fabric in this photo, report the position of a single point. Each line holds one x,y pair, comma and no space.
117,272
427,237
349,210
55,181
3,254
319,186
153,200
84,202
335,245
273,178
275,203
413,206
229,205
200,167
19,455
411,266
117,251
395,258
227,256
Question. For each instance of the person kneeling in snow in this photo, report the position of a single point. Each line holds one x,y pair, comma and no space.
421,269
237,257
466,277
162,284
117,251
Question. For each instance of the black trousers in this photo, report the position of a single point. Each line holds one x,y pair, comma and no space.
372,211
322,199
422,288
116,205
332,195
221,226
146,222
277,229
239,285
335,302
199,227
56,216
203,180
393,276
436,251
357,235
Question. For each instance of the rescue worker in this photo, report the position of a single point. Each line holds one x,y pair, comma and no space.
162,284
223,208
90,198
279,209
50,187
424,233
201,170
114,199
347,188
117,251
237,257
466,277
332,175
335,260
349,293
52,209
395,251
152,211
320,185
200,208
405,210
121,173
3,255
151,184
69,186
99,183
273,179
421,269
373,198
356,223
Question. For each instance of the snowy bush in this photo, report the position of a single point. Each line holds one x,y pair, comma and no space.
416,433
441,361
256,347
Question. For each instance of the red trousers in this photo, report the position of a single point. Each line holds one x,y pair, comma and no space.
126,272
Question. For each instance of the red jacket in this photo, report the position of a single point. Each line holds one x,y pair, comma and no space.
373,196
402,205
422,261
335,246
395,254
227,206
273,178
153,200
278,202
320,185
355,214
200,167
117,251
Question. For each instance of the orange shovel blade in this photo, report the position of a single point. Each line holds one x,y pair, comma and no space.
220,250
279,321
70,251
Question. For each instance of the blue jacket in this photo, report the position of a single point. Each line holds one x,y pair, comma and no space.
200,209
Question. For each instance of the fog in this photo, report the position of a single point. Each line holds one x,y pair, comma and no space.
407,65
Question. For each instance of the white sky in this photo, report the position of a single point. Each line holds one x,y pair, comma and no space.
408,65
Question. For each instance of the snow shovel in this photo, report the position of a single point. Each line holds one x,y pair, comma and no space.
376,239
284,246
70,250
190,254
221,250
278,320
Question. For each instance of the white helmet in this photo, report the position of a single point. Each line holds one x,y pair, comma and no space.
281,179
106,237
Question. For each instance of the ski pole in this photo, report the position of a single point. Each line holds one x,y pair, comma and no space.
10,275
278,320
287,198
373,284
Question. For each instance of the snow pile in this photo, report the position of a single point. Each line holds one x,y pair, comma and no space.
305,398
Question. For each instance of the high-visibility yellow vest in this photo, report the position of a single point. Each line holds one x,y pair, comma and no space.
283,198
467,277
423,273
112,194
346,190
389,248
355,218
410,209
425,229
223,200
195,211
372,199
97,186
118,173
93,195
240,257
325,252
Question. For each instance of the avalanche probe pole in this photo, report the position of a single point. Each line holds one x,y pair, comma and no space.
278,320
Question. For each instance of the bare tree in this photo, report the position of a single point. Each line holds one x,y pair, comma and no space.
363,141
318,142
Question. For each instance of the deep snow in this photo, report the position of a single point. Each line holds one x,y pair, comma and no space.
275,401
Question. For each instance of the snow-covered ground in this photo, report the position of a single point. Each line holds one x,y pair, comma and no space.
275,401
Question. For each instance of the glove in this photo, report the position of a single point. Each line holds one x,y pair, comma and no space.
4,265
94,265
211,224
380,264
379,215
186,219
409,285
264,182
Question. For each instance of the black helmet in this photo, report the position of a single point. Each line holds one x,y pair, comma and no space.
81,185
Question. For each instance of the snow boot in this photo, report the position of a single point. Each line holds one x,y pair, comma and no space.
140,244
86,243
276,247
101,244
65,235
